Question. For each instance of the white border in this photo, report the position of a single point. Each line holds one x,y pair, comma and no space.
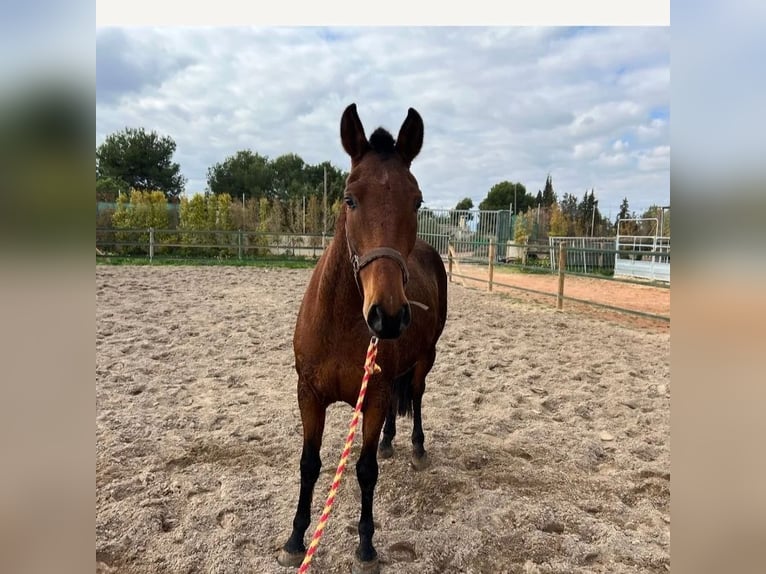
382,13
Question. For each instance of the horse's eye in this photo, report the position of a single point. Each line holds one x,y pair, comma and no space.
418,204
348,200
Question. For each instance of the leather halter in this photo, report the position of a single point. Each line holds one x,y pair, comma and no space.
358,263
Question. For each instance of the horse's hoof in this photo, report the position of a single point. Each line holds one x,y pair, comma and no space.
386,451
369,567
290,559
421,462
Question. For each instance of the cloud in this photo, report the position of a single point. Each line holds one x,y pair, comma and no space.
655,159
587,150
513,103
126,65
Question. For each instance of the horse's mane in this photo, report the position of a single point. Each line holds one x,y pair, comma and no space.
382,141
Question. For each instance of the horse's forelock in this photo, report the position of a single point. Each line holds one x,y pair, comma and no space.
382,141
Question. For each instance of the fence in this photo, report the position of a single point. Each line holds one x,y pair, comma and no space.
642,256
190,244
566,260
567,255
470,231
584,254
597,256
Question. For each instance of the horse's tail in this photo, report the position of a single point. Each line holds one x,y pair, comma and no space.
403,393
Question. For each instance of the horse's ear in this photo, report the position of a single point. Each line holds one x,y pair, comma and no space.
352,134
410,138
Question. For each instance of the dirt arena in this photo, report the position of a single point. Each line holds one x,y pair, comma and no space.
548,434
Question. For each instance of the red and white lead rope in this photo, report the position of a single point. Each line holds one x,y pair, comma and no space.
369,369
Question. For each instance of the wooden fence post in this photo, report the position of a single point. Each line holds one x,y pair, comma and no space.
151,244
562,269
449,260
491,262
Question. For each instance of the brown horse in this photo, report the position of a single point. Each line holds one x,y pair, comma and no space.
375,278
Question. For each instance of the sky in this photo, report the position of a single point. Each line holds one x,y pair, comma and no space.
589,105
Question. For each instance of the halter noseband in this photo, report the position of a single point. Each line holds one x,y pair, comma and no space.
357,263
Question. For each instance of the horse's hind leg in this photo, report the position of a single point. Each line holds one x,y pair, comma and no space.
386,448
419,455
401,404
313,418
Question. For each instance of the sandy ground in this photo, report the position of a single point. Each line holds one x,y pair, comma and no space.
548,433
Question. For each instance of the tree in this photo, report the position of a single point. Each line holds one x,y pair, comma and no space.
630,227
624,212
336,182
502,195
110,188
464,204
141,160
522,228
548,196
568,207
559,225
314,215
662,227
585,218
289,177
140,210
244,173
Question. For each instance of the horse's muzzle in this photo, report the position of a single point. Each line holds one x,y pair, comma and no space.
386,326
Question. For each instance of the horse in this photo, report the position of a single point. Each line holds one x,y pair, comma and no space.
375,278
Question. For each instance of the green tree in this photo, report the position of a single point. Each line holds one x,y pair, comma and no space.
203,213
141,210
314,219
336,182
548,196
138,211
502,195
244,173
290,177
522,228
663,219
110,188
192,219
143,160
628,227
559,226
568,207
586,217
624,212
463,205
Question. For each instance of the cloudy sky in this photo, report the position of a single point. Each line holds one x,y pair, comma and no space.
588,105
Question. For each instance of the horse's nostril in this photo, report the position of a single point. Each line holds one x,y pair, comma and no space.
388,326
375,319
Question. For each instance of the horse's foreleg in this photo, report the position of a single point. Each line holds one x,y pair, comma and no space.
313,418
367,473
